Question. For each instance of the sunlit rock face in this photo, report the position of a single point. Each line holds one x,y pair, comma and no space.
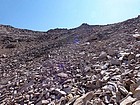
87,65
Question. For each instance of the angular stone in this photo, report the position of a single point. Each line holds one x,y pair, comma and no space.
124,54
128,100
137,92
137,55
3,56
122,89
111,52
131,56
137,36
69,96
111,87
90,85
116,78
103,55
105,66
67,89
45,102
62,75
72,100
63,101
133,86
106,99
115,62
58,91
136,103
105,78
83,99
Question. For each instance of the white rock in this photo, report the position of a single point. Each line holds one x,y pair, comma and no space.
124,54
136,103
63,75
82,53
58,91
127,100
3,56
137,55
45,101
137,36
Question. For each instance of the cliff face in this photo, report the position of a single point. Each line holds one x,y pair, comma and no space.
90,64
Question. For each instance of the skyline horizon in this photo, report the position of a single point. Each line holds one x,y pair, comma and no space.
66,27
43,15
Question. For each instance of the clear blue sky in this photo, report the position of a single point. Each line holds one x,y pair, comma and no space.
48,14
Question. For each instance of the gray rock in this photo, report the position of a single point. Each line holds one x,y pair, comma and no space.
115,62
103,55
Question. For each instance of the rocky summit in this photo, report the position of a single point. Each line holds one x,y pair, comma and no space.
87,65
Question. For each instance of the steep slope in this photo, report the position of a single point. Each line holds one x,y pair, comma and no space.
90,64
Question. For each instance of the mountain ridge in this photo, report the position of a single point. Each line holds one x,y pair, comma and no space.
82,25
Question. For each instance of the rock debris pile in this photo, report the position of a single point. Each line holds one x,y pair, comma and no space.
87,65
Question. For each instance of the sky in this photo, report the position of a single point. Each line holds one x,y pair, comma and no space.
43,15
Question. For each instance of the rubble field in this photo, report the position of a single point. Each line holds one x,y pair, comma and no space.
87,65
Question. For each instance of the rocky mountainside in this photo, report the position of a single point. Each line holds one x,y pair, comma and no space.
87,65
